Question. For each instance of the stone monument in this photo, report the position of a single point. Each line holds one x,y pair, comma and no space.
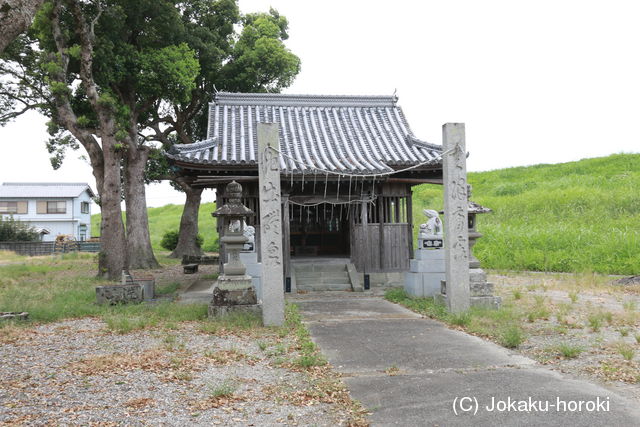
454,177
233,291
249,257
270,225
427,270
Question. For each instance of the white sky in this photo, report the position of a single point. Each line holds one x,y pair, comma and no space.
535,82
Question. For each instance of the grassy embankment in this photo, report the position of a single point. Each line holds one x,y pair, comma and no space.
571,217
167,218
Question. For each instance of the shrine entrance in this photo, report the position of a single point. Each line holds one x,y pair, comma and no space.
322,229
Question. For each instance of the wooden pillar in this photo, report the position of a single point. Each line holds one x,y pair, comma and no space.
367,239
381,215
286,236
410,220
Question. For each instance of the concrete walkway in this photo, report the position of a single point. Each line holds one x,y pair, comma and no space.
438,369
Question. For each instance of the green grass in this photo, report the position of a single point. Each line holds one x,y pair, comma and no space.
167,218
571,217
502,325
569,351
63,287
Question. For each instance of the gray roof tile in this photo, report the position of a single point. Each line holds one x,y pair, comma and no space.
350,134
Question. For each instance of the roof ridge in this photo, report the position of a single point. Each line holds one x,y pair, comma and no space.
281,99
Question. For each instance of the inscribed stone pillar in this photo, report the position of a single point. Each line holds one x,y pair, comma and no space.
270,225
456,227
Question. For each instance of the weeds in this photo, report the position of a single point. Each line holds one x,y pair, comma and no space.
511,336
225,389
626,351
569,351
573,296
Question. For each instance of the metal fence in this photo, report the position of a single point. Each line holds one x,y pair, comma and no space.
48,248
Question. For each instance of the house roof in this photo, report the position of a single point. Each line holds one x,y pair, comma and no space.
43,189
344,134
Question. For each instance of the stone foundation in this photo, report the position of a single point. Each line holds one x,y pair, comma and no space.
225,310
119,294
426,271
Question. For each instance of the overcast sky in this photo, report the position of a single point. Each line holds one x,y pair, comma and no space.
535,82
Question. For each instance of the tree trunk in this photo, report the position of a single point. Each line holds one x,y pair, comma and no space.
139,252
187,244
15,18
112,259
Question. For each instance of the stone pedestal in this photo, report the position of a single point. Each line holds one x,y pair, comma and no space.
426,271
231,294
481,291
254,269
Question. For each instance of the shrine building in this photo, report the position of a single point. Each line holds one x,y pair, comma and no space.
347,164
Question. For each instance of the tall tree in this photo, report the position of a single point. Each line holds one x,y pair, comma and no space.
256,61
115,75
15,18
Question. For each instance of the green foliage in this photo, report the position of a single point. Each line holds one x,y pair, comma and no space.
167,218
170,240
572,217
12,230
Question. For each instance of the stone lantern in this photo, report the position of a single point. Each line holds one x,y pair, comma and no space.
473,210
233,289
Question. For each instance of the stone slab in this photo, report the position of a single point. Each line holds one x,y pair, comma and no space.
429,254
423,285
477,275
426,266
427,400
345,308
375,344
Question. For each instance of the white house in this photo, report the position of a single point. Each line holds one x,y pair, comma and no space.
53,208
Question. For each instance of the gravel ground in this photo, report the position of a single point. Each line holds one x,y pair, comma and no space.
78,373
567,323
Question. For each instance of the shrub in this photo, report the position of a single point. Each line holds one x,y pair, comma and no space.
170,240
12,230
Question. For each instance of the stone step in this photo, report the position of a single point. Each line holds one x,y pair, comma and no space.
321,275
319,267
325,287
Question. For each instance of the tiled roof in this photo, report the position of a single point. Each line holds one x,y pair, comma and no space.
43,189
350,134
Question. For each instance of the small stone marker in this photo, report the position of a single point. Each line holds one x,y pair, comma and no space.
270,225
456,239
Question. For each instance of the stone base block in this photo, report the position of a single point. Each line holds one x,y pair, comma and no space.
429,254
233,282
119,294
245,296
486,302
148,287
225,310
477,275
426,266
489,302
423,284
484,289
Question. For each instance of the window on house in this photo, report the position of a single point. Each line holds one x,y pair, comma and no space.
13,207
8,207
56,207
84,207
